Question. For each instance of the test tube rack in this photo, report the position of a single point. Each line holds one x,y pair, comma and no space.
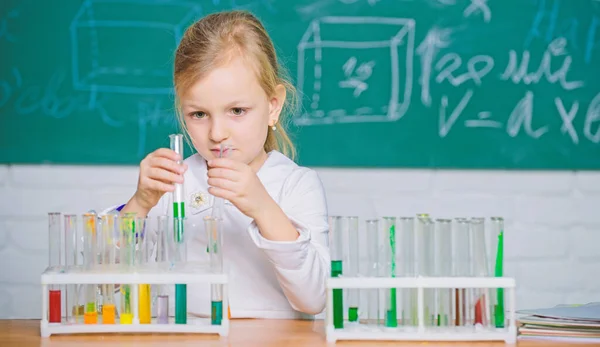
421,332
188,273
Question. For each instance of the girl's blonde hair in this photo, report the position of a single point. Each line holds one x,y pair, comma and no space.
218,37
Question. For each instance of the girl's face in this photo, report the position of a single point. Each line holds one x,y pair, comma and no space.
228,106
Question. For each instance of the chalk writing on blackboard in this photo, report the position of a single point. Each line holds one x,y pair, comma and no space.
479,6
5,33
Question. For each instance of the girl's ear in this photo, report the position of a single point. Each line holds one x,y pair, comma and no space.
276,104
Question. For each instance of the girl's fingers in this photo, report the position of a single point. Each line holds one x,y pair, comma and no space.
158,185
228,174
164,175
222,193
221,183
167,153
167,164
225,163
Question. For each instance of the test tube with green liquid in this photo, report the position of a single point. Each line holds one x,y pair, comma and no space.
127,256
389,269
373,268
497,234
90,254
110,228
178,230
442,267
215,241
336,245
351,264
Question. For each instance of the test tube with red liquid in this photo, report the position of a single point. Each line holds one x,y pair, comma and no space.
54,261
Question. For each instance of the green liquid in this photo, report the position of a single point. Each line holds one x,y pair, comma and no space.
392,316
338,296
180,304
216,313
90,307
178,212
499,309
353,314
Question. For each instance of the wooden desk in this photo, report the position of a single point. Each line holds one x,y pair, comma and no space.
263,333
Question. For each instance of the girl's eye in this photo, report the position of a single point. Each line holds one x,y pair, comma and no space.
198,115
238,111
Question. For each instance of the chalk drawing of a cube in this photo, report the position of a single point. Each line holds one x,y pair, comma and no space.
355,69
126,46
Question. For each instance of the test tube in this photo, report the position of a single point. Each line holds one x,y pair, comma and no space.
143,249
127,260
162,247
218,203
72,249
336,245
406,268
479,268
442,267
497,233
389,269
54,262
461,265
374,269
90,253
215,241
179,220
424,239
110,228
351,262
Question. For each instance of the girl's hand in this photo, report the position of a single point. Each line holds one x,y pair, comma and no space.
236,182
158,173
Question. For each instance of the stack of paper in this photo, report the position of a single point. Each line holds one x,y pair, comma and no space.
562,322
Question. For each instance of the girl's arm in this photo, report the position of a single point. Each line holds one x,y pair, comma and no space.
293,235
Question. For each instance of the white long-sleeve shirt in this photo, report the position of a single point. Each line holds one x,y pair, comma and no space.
267,279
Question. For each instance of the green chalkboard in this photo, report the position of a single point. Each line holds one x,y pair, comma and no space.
506,84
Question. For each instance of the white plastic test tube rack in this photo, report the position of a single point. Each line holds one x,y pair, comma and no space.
354,331
188,273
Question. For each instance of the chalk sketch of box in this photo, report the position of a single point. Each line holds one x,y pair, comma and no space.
126,46
355,70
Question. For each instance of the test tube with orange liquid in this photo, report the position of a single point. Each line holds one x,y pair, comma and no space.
110,232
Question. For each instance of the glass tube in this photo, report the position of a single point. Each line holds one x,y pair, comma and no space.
479,268
442,267
424,238
110,228
54,263
127,260
497,233
162,253
179,259
405,242
215,241
72,309
336,247
90,253
351,264
461,266
142,254
178,230
389,269
373,269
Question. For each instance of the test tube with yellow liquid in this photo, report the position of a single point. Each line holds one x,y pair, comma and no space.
127,247
90,254
143,249
110,231
72,249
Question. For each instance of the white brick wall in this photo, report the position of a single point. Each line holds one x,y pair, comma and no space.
552,219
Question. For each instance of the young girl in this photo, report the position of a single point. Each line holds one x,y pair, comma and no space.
230,90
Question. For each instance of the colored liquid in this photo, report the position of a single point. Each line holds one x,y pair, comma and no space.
353,314
338,296
126,318
162,308
216,312
108,314
144,303
54,306
180,304
391,315
90,316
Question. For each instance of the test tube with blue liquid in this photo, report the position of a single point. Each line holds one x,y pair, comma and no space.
178,233
215,241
